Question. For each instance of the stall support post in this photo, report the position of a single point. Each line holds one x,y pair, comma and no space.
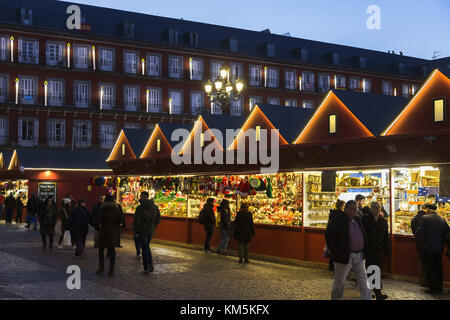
392,213
303,235
189,223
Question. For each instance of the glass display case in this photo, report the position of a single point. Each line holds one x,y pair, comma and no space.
317,203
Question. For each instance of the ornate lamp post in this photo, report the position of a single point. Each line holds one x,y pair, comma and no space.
223,89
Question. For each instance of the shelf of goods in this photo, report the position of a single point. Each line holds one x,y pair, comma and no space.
196,203
15,187
318,203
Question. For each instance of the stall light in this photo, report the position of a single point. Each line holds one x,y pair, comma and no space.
13,162
93,57
300,83
147,98
12,48
395,92
218,85
258,133
17,90
48,173
439,110
190,68
101,97
45,93
158,145
208,87
143,66
202,139
68,54
123,149
332,123
239,86
170,105
335,81
265,76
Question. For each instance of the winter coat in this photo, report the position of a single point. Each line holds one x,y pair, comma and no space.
33,205
47,219
209,216
432,233
10,203
224,218
146,218
62,214
19,204
108,223
415,223
79,220
96,210
337,237
378,242
244,228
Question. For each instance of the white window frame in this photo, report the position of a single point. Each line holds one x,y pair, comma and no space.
236,107
52,84
406,93
28,85
155,94
255,75
354,83
106,58
4,48
4,130
385,87
76,94
175,69
107,132
290,102
197,69
236,71
27,55
81,62
340,81
153,68
199,99
52,132
289,79
324,82
308,83
273,101
79,133
306,103
272,77
54,53
367,85
109,95
132,92
215,69
130,62
176,109
35,132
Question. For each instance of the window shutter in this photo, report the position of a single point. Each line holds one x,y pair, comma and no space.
63,133
36,52
60,52
89,127
36,132
19,48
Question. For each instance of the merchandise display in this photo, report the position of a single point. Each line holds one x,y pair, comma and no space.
443,210
16,187
317,203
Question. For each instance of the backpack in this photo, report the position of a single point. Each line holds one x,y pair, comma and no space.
201,216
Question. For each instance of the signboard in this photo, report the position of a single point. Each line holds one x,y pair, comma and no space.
46,189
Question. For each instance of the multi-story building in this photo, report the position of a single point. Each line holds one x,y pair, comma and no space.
77,88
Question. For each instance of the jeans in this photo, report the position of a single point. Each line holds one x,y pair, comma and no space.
80,243
341,271
111,253
225,237
50,240
137,244
32,218
9,214
243,251
147,259
209,229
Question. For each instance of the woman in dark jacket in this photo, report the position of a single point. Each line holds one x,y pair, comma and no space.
108,223
244,230
339,208
209,222
224,211
79,221
47,222
63,214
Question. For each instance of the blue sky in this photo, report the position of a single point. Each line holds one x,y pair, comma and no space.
416,27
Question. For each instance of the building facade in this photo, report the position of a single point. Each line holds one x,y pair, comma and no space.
78,88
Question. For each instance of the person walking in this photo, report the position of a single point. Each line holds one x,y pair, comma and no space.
432,233
79,220
96,209
146,219
47,222
208,219
339,208
378,242
32,211
63,215
19,206
10,206
346,240
224,225
415,223
244,231
108,222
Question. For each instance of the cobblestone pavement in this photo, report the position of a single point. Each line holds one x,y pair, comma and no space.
28,272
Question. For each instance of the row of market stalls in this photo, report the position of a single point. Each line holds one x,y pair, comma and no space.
387,148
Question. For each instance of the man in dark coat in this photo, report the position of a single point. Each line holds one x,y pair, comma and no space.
346,239
224,225
432,234
96,209
79,221
47,221
19,205
208,219
415,223
378,242
108,223
146,218
244,231
10,206
32,211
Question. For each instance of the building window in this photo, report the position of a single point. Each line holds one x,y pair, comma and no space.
414,89
197,69
406,89
197,102
354,84
255,76
56,130
307,81
270,47
82,133
54,54
130,62
158,145
129,125
386,88
215,70
55,92
131,97
332,123
254,100
339,81
173,36
106,59
215,108
128,29
154,100
175,67
107,135
29,51
235,71
175,101
26,15
28,90
289,79
439,110
81,57
258,133
324,82
3,88
366,85
28,132
4,48
275,101
233,45
3,131
290,103
272,78
81,94
308,104
236,107
154,65
108,96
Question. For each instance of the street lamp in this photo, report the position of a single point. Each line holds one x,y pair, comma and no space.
220,90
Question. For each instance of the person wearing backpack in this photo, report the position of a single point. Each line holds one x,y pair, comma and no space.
208,219
146,219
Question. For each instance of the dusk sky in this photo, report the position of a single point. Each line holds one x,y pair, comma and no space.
416,27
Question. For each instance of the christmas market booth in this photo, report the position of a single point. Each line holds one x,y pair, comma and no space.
353,143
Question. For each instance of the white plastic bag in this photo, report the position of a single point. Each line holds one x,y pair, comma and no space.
67,239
